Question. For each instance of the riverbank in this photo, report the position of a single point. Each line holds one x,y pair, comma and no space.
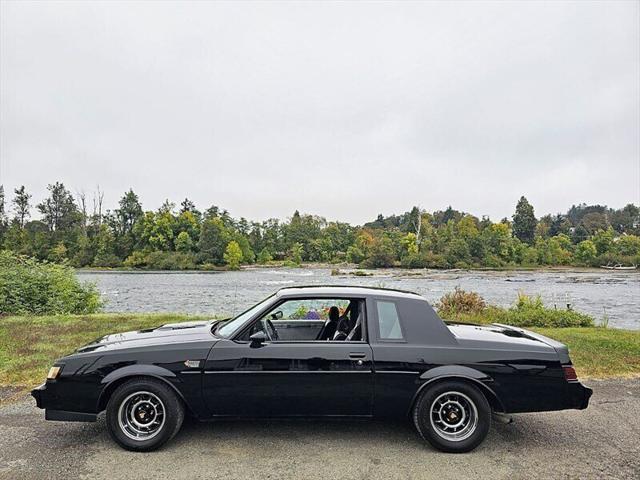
352,268
30,345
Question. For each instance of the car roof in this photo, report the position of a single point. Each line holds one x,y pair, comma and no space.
346,290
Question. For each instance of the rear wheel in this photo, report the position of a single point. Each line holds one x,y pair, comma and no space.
143,414
452,416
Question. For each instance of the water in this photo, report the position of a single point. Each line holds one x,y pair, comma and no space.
226,293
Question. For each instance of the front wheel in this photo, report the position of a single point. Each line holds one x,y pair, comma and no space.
143,414
452,416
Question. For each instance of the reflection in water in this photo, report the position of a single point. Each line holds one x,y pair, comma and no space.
617,293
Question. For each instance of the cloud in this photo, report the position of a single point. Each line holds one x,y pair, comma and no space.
339,109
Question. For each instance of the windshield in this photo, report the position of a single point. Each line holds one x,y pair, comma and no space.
228,329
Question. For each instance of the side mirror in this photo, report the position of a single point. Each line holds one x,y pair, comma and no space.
258,339
276,315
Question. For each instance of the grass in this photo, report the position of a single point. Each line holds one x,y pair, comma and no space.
599,352
29,345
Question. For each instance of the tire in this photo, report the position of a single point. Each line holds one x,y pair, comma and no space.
143,414
452,416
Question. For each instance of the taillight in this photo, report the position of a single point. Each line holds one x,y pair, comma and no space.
570,374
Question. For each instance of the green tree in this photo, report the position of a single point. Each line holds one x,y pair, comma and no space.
586,252
213,241
264,256
3,215
524,221
184,243
21,206
381,253
59,210
129,212
233,255
603,240
295,253
628,245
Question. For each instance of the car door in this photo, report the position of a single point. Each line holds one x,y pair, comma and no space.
289,378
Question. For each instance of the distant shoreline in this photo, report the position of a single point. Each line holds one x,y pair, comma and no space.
349,269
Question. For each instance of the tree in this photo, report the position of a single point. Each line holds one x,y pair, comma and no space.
295,253
21,206
188,206
524,221
214,237
184,244
264,256
233,255
381,253
129,212
59,210
586,252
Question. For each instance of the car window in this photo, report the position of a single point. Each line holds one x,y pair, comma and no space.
229,328
388,321
313,319
307,309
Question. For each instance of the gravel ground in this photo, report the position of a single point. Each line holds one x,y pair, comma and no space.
600,442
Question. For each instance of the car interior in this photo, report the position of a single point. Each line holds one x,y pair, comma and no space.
314,319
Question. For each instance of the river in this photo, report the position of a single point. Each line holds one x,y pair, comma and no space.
600,293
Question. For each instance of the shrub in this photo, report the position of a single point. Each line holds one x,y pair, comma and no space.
170,261
460,302
161,260
31,287
527,312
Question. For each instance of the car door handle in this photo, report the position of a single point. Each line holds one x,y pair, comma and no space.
357,355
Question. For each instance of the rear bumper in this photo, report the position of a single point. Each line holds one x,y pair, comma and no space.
580,395
44,397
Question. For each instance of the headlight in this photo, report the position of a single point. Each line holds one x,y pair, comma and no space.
54,372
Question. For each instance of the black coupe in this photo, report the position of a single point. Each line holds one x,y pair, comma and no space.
315,352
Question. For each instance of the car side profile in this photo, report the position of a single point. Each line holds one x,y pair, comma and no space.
320,351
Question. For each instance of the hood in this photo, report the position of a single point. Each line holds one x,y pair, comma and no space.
164,334
497,336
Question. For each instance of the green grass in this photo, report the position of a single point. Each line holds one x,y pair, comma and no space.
29,345
600,352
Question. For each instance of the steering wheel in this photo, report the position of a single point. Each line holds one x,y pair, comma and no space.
269,329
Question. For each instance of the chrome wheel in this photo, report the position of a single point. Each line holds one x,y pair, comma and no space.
453,416
141,416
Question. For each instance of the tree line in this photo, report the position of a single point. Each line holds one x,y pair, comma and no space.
176,237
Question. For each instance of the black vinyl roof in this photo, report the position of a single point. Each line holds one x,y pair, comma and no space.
347,290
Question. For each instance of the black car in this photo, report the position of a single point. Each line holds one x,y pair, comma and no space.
315,352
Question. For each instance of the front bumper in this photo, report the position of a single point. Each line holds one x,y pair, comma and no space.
44,397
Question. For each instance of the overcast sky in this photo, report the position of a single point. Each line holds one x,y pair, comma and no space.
344,110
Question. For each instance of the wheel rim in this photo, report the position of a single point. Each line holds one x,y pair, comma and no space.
141,416
453,416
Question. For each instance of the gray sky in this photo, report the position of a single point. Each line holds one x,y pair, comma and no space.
339,109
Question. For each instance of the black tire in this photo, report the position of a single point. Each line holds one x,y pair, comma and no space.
149,392
446,397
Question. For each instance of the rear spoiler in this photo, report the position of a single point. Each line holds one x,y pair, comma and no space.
560,348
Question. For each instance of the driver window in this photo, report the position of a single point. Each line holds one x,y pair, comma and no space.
318,319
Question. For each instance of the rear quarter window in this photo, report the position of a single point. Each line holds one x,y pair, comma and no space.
389,327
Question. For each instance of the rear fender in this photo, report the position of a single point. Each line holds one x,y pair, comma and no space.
459,372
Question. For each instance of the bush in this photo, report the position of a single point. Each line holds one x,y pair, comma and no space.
161,260
31,287
527,312
460,302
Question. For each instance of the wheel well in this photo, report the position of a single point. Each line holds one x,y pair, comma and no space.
492,398
111,387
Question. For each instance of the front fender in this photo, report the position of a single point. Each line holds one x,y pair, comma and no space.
114,378
459,372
